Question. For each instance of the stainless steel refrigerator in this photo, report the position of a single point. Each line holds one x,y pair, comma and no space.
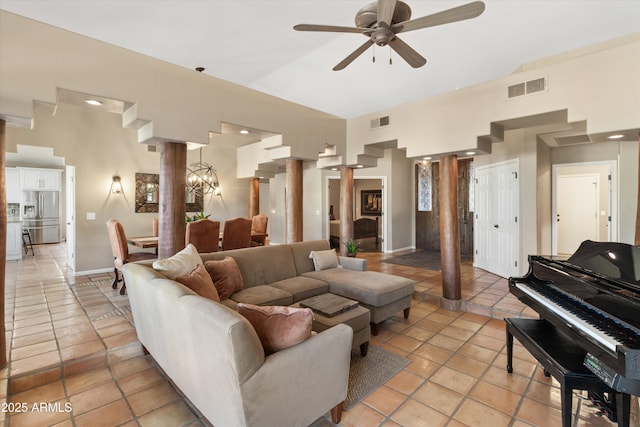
41,215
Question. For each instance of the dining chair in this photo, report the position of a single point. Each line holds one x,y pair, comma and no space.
204,234
121,255
237,234
156,225
259,229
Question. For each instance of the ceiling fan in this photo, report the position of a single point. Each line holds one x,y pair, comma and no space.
381,21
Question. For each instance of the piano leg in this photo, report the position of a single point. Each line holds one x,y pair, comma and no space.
623,409
509,351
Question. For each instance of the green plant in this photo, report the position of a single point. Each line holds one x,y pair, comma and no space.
196,217
352,246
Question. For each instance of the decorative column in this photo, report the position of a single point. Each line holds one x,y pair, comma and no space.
172,205
346,207
293,191
449,233
3,241
254,197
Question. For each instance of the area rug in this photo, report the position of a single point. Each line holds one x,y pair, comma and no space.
429,260
370,372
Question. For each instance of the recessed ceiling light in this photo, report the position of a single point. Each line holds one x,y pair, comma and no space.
244,132
359,166
426,158
93,102
616,136
470,153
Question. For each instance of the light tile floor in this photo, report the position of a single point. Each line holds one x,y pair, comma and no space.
74,359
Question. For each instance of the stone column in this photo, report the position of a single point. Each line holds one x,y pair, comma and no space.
293,191
172,205
346,207
449,233
254,197
3,241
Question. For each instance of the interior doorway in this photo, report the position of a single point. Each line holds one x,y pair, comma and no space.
70,215
363,188
497,235
583,205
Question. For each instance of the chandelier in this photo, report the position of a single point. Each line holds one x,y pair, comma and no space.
202,178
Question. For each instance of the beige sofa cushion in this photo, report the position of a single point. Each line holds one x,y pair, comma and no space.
368,287
180,264
200,282
263,295
260,265
301,287
324,259
226,276
278,327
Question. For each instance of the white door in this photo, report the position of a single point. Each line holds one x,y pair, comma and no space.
496,237
70,196
577,215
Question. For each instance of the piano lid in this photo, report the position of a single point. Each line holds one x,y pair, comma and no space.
618,261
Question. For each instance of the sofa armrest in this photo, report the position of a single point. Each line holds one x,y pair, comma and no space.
352,263
296,386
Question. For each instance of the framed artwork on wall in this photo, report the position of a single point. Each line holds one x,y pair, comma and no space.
371,202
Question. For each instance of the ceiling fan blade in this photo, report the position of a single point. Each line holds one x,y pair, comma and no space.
407,53
331,28
460,13
385,11
349,59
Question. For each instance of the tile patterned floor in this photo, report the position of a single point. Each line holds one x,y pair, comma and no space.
74,359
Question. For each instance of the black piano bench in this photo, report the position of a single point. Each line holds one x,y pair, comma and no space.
563,359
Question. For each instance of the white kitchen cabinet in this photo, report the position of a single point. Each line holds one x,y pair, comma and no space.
37,179
14,241
13,185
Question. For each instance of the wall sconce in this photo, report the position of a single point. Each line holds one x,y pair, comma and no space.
116,185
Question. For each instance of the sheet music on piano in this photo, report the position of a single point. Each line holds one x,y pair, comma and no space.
594,296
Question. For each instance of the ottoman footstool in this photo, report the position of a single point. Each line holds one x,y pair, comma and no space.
357,317
383,294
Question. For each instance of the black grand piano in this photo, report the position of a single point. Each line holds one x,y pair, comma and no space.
589,306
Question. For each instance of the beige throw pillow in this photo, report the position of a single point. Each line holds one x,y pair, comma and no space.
200,282
324,259
180,264
278,327
226,276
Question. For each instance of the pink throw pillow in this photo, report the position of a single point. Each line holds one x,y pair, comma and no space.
226,276
278,327
200,282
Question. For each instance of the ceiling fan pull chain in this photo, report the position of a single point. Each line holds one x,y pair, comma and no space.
374,53
390,60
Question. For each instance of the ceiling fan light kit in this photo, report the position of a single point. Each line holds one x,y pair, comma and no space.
383,20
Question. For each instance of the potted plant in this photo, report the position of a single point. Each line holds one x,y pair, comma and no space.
352,247
196,217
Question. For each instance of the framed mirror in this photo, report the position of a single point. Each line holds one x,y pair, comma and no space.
148,194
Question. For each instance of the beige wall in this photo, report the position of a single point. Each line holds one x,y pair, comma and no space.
97,145
599,84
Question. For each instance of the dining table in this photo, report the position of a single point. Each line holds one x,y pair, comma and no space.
143,241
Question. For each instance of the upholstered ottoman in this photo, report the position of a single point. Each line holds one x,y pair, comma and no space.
383,294
357,317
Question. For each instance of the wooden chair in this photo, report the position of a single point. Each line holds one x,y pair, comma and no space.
204,234
121,255
155,225
259,229
237,234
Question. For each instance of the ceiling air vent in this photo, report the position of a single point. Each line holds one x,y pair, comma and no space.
516,90
151,148
380,122
574,139
526,88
